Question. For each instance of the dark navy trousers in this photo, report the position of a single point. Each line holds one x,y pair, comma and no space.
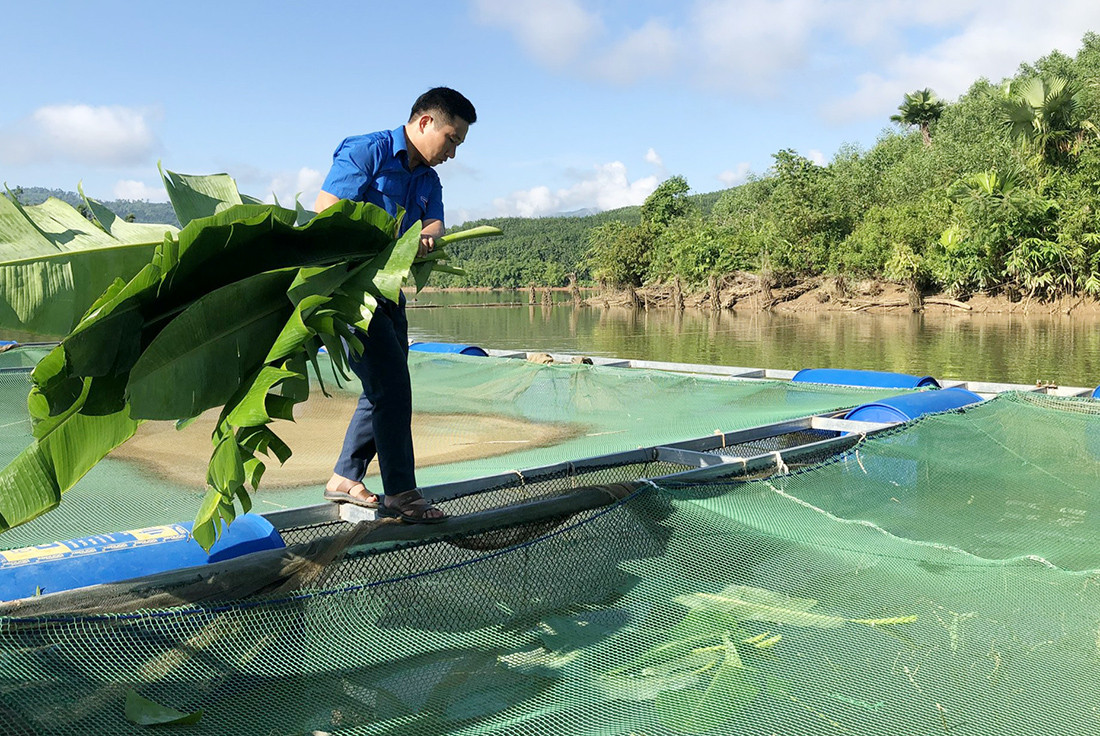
381,423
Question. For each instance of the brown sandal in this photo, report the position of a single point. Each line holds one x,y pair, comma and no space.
349,497
410,507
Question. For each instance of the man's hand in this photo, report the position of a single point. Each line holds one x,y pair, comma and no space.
427,245
431,230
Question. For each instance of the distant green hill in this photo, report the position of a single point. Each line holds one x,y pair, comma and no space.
542,250
532,250
160,213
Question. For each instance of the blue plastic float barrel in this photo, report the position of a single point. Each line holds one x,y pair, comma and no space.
876,379
109,558
447,347
1096,393
910,406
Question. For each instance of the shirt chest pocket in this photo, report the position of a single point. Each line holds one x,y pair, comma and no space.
401,191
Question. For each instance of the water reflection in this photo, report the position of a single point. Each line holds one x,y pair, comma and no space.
995,347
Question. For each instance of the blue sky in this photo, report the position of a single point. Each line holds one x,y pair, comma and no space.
581,103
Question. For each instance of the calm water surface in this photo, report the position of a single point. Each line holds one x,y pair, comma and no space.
991,347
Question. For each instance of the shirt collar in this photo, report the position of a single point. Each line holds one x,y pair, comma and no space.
401,147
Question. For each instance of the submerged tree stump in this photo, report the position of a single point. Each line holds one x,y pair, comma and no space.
677,295
575,291
916,299
766,282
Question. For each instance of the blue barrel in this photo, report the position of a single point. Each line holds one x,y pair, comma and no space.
877,379
910,406
1096,393
108,558
447,347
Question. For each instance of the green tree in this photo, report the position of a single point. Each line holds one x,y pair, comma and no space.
921,108
1047,113
804,214
692,248
887,230
667,203
619,254
1000,227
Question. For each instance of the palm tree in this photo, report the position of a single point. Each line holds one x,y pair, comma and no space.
921,108
1047,112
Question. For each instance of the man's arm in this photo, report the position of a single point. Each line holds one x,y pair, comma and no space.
430,230
324,201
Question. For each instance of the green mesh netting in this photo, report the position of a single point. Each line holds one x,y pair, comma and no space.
586,410
936,580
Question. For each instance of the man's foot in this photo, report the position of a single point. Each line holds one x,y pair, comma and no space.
411,508
346,490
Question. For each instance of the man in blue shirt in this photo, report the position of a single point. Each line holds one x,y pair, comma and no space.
394,170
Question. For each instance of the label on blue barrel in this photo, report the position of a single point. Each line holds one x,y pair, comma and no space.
96,544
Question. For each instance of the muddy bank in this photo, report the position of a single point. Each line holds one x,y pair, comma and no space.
745,291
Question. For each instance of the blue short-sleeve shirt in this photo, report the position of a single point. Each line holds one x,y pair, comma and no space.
375,168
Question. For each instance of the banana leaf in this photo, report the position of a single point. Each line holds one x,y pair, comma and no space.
196,196
229,312
66,447
54,262
209,348
170,346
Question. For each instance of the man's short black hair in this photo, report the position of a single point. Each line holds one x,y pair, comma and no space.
446,101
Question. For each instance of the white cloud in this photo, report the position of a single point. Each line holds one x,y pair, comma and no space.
305,184
735,176
864,55
816,156
606,187
650,51
991,42
139,190
652,157
738,44
107,135
554,33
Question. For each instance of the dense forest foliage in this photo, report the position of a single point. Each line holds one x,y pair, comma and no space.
998,191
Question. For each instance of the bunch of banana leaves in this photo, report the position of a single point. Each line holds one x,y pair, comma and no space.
228,312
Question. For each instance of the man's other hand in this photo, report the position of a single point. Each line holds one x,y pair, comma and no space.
427,245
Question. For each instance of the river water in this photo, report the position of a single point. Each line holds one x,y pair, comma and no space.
1009,348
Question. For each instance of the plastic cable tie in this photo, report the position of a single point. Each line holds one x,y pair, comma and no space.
780,466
